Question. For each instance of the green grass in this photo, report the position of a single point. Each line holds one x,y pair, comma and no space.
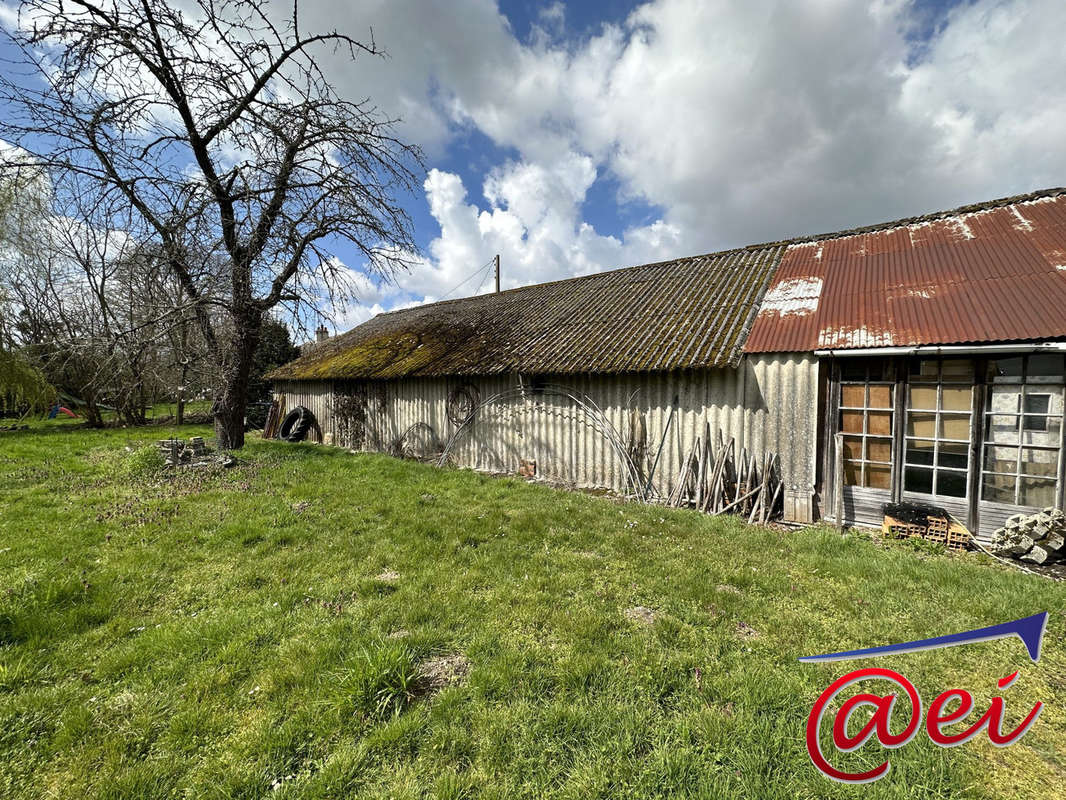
235,634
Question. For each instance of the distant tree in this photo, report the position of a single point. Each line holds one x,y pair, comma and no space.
213,137
276,347
23,388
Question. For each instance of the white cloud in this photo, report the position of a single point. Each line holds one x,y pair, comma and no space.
532,220
743,122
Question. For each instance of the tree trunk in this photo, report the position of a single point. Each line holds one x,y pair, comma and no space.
231,403
180,417
93,417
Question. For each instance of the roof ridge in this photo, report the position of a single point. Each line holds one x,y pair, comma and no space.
588,276
932,216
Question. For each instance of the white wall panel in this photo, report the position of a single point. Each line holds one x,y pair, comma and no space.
769,403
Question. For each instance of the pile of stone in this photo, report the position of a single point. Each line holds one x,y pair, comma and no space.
176,453
1036,538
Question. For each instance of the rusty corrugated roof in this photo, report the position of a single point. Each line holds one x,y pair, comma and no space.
995,272
691,312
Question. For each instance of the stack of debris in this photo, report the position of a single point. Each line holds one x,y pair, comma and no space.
176,453
1037,538
921,521
716,479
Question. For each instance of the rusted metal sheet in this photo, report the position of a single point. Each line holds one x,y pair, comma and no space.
990,273
768,404
687,313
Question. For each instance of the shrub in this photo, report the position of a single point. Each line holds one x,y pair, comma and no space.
142,463
383,681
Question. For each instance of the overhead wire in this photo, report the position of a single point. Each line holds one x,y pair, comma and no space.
468,278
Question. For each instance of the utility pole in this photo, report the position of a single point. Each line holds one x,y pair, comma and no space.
496,263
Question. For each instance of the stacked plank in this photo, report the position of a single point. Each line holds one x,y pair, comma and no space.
274,417
716,479
1037,538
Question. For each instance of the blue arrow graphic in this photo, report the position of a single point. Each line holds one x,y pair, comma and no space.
1029,629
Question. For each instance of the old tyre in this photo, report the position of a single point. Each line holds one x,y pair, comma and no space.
297,423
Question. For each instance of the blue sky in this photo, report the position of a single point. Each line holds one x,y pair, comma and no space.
471,154
577,137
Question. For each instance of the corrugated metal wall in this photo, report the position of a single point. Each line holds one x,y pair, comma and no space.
769,403
315,395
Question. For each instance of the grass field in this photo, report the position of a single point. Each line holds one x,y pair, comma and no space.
317,624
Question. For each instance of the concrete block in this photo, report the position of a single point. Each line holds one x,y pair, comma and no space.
1022,545
1038,555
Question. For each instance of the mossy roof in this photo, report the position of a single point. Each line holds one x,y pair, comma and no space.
686,313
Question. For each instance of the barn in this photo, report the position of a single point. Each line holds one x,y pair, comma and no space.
917,360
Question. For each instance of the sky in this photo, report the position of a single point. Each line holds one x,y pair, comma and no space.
576,137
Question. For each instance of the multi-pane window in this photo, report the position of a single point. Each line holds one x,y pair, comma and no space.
937,433
1023,430
866,403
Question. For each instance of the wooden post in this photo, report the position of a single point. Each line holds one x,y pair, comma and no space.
839,461
496,264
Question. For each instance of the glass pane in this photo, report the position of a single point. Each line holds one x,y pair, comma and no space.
919,451
956,398
922,425
852,472
1046,431
1001,459
1055,393
879,422
955,426
878,477
1036,492
852,448
851,421
916,479
1045,367
883,370
1005,370
853,396
1033,424
852,369
1002,428
998,489
950,484
923,397
954,454
925,369
880,397
955,370
1040,462
879,450
1037,403
1005,399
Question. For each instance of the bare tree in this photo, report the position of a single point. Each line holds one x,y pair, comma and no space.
222,135
23,388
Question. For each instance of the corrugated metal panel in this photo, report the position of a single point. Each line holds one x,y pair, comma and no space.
692,312
768,404
992,274
315,395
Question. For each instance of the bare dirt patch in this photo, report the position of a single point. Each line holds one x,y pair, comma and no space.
641,614
439,673
745,630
